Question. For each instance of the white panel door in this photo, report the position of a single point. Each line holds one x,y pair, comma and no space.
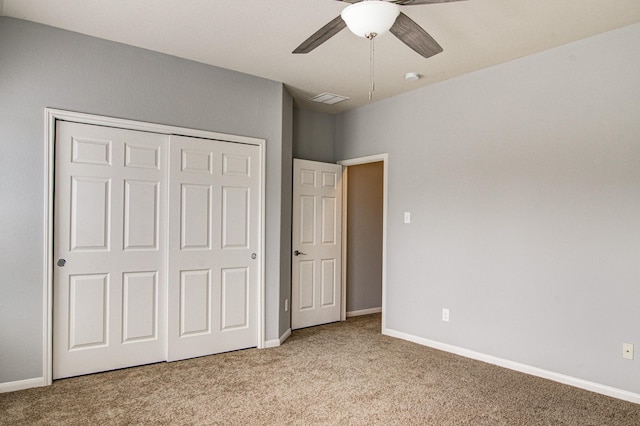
109,248
317,232
214,233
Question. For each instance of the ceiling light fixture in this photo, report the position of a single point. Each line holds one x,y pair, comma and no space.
369,19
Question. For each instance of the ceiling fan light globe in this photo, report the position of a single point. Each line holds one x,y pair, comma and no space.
368,17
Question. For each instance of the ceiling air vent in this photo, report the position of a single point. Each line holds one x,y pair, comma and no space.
328,98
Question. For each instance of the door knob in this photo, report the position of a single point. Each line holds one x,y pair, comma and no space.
253,256
298,253
61,262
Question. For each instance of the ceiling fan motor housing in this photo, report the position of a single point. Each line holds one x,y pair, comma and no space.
370,18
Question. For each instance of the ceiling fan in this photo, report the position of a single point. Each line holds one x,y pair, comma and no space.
370,18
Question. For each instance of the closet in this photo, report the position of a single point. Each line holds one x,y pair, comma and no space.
156,240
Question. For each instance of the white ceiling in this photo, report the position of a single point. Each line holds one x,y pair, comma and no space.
257,37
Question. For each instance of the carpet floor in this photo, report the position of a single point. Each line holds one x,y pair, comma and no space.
338,374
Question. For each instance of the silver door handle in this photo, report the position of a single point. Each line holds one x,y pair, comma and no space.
61,262
298,253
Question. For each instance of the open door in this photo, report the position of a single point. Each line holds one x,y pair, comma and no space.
316,294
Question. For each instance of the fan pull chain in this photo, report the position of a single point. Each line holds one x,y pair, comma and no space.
371,37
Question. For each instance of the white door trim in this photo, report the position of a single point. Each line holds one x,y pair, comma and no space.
385,166
51,116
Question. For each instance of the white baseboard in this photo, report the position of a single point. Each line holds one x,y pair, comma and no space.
22,384
523,368
285,336
274,343
364,312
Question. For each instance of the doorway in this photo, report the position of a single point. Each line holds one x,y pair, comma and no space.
364,242
368,245
364,239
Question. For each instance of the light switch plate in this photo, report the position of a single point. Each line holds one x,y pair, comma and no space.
627,350
407,217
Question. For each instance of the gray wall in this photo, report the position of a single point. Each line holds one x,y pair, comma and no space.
523,181
313,135
364,236
45,67
285,215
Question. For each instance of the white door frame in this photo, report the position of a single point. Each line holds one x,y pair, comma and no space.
384,158
51,116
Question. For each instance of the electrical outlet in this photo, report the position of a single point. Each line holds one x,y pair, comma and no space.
627,350
445,314
286,305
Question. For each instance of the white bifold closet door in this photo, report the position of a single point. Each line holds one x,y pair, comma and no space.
153,243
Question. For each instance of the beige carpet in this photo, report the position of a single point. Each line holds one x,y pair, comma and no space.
343,373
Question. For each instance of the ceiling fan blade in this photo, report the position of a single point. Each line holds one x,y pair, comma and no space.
417,2
414,36
322,35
